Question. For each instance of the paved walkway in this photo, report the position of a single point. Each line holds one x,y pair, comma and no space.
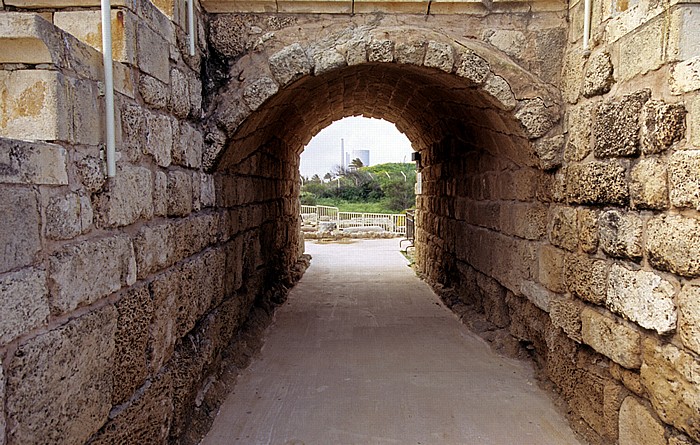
364,353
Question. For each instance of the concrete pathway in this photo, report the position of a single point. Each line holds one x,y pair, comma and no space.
364,353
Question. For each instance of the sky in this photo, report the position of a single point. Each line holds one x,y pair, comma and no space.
385,142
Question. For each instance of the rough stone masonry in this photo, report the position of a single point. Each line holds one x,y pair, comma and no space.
559,213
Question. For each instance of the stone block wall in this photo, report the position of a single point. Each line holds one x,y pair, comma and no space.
121,296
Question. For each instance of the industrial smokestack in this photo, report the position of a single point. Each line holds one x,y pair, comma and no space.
342,154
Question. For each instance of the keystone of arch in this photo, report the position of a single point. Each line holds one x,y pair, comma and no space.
269,71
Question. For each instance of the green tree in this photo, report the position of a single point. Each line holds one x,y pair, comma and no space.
357,163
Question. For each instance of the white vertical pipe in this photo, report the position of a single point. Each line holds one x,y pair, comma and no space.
109,87
586,24
190,24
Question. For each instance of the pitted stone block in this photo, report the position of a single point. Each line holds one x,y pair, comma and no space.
684,179
289,64
19,227
612,337
159,138
180,96
24,303
380,51
562,227
673,244
689,316
327,60
648,185
550,151
588,236
410,53
24,162
597,183
662,126
439,55
179,193
599,75
472,67
616,128
498,88
154,92
68,216
128,197
187,151
587,278
258,91
621,234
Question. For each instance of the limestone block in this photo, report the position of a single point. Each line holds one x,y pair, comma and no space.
642,297
500,91
511,42
2,403
642,50
133,130
356,51
59,384
82,273
207,190
35,105
187,150
179,193
572,73
410,53
693,118
551,268
19,227
68,216
134,314
24,162
380,51
91,172
621,234
28,38
684,178
535,117
153,53
87,27
289,64
327,60
88,117
195,87
685,76
587,229
616,128
258,91
565,313
662,126
639,425
562,227
689,316
439,55
159,138
670,377
550,151
145,421
538,295
612,337
160,193
180,99
472,67
599,75
673,244
597,183
679,439
587,278
153,249
128,198
648,185
154,92
579,124
24,303
524,220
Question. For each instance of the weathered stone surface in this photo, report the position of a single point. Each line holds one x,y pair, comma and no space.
439,55
616,128
2,403
19,227
662,126
159,138
538,295
153,52
472,67
187,150
85,272
621,234
145,421
327,60
154,92
524,220
179,193
689,316
59,384
356,51
134,315
128,198
24,303
410,53
639,425
561,229
587,278
258,91
679,439
493,300
599,75
648,185
612,337
207,190
511,42
180,96
596,183
587,229
380,51
671,378
535,117
642,297
673,244
684,178
565,313
289,64
692,103
24,162
498,88
579,123
550,151
160,193
685,76
91,173
551,268
68,216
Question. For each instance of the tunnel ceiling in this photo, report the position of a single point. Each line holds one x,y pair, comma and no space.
452,95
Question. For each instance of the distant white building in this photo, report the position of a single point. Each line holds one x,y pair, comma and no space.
362,155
